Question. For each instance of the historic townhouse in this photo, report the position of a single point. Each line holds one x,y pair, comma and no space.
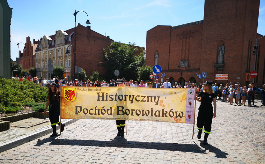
51,52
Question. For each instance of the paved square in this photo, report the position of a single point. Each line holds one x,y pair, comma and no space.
237,137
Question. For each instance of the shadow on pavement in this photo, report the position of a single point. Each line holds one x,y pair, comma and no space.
219,153
123,143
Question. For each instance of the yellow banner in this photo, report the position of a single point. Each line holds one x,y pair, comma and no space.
128,103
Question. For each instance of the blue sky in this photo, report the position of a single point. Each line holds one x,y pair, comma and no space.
123,20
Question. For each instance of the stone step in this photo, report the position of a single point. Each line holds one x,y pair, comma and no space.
4,125
5,121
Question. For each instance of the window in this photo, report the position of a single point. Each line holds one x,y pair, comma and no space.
46,65
61,63
69,38
65,64
42,65
53,63
58,63
69,63
50,54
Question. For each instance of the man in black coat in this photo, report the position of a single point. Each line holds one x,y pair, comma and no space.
156,84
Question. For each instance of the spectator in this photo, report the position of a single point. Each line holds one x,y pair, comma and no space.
250,94
263,95
167,84
244,95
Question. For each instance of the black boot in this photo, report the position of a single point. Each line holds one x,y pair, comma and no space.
54,134
122,132
205,138
119,131
199,134
62,127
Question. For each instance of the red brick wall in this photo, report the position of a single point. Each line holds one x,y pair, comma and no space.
28,59
230,22
89,51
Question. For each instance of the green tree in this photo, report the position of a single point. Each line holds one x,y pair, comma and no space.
120,56
24,72
16,69
82,75
58,71
95,76
144,73
33,72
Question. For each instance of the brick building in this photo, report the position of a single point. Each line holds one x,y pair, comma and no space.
51,51
222,43
27,58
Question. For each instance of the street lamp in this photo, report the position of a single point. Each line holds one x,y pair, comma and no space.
256,52
87,22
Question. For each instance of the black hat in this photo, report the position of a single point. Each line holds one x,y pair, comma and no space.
209,83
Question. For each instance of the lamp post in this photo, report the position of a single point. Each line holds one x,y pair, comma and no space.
256,52
87,22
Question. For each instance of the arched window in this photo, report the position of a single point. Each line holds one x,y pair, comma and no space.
156,58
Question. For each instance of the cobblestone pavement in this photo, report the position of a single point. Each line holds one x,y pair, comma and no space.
238,136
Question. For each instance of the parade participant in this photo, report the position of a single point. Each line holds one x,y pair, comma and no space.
250,94
156,84
254,88
167,84
206,111
231,94
150,84
224,94
244,95
54,108
238,102
263,95
141,84
119,123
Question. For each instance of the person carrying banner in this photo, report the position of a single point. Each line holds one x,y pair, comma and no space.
206,111
119,123
54,108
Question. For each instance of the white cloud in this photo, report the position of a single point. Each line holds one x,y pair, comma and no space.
164,3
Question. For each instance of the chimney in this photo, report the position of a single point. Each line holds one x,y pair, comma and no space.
88,27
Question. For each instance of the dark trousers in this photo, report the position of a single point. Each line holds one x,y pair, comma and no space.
249,99
204,119
120,123
54,116
263,100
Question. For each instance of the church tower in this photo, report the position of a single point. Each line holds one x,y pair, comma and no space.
229,33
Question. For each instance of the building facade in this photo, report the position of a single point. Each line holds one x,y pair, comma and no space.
27,58
222,43
5,22
51,52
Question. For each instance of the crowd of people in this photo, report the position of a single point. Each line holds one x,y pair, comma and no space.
235,94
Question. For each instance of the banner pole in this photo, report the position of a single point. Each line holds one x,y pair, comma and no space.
194,116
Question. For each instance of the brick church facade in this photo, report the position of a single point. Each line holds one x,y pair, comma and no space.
222,43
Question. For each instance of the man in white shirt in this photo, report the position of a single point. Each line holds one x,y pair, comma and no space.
167,84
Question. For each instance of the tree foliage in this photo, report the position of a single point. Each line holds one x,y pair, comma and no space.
33,72
144,73
119,56
58,71
94,76
82,75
